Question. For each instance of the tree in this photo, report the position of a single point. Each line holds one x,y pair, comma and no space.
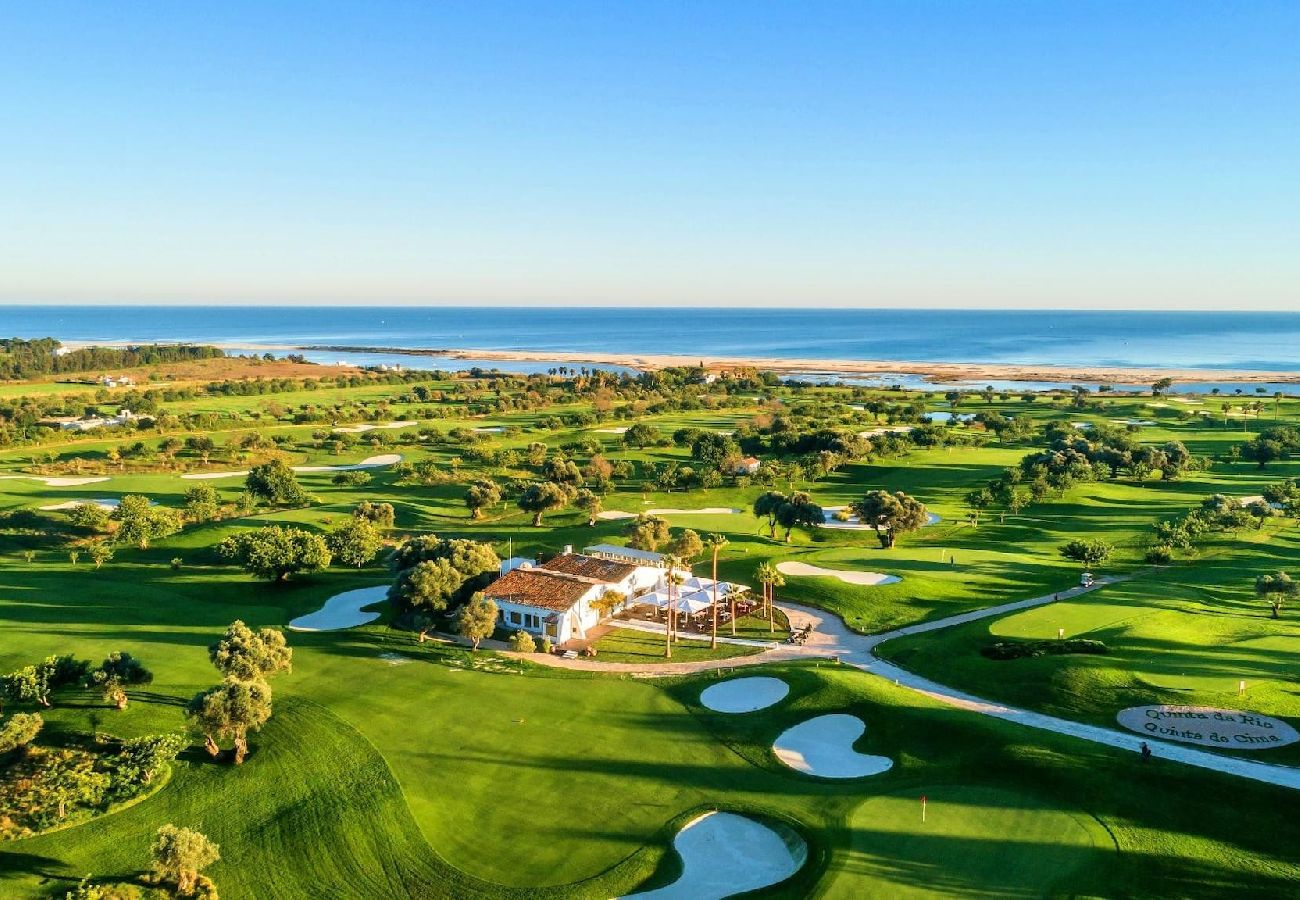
202,445
482,492
180,854
247,655
687,546
274,483
977,501
562,471
140,522
647,532
766,506
19,730
381,515
354,542
710,449
35,684
591,503
771,579
541,497
799,511
890,514
1089,554
715,543
90,516
276,551
115,674
100,552
477,619
1161,386
202,502
522,642
428,585
641,436
229,711
1275,589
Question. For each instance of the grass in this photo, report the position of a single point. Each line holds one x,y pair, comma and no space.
627,645
397,769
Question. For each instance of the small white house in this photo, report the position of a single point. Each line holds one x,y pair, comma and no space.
559,599
748,466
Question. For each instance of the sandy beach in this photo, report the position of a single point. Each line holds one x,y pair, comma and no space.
935,371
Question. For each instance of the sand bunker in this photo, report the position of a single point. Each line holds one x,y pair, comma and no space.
891,429
367,426
724,854
824,747
73,504
743,695
622,429
372,462
490,429
869,579
342,610
59,481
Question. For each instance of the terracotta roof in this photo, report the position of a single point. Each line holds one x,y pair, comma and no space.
595,568
539,588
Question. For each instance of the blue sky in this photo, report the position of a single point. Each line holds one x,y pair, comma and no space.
911,153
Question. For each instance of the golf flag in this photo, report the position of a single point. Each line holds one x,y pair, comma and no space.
923,807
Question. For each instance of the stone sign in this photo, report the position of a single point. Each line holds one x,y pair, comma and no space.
1209,727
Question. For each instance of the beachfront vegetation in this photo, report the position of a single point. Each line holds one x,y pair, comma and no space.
386,765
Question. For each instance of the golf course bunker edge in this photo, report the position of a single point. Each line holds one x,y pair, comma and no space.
744,695
823,747
724,853
848,576
342,610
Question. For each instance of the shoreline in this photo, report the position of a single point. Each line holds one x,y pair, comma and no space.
937,371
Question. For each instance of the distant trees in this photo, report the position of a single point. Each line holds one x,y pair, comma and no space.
354,542
799,511
275,484
977,501
276,552
647,532
202,502
641,436
477,619
180,854
139,522
890,514
541,497
1276,589
589,502
381,515
1089,554
1270,445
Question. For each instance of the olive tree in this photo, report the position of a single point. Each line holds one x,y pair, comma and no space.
276,484
246,654
647,532
180,854
890,514
276,551
354,542
541,497
1276,589
115,674
477,619
230,710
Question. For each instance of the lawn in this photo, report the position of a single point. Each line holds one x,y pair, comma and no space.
627,645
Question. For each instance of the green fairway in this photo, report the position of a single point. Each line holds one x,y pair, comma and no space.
974,841
398,768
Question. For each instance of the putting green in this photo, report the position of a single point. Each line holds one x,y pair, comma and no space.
976,841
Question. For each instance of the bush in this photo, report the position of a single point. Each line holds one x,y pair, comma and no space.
547,646
1160,555
352,478
522,642
1026,649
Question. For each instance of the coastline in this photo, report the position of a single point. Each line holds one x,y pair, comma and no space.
936,371
950,372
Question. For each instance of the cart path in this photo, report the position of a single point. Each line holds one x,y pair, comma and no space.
831,638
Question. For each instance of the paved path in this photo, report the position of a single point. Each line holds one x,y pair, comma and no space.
832,638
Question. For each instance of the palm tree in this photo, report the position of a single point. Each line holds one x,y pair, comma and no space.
715,543
770,578
670,620
1277,398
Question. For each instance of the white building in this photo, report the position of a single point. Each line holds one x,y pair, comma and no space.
748,466
559,599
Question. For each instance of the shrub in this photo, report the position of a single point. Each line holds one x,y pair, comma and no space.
1160,555
1026,649
522,642
547,646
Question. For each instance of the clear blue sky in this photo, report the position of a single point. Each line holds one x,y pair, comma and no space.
908,153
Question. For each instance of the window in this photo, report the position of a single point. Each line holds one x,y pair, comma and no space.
514,618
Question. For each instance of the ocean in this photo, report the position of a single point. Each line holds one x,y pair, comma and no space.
1202,340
